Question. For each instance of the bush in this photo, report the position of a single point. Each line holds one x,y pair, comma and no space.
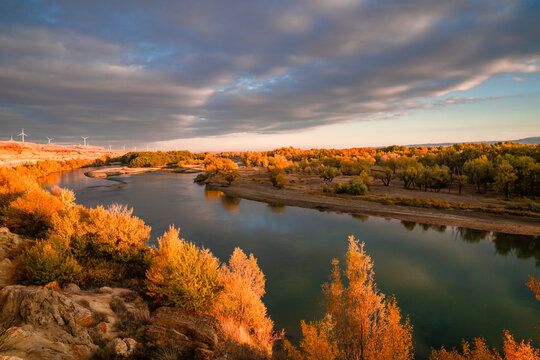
183,275
201,178
111,232
277,176
355,187
49,260
240,308
32,214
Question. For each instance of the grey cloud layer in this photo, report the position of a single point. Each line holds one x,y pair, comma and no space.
158,71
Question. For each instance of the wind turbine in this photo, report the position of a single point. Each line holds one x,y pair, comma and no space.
22,134
50,139
109,147
146,147
84,138
124,147
11,138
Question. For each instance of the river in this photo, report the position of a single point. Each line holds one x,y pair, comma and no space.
453,283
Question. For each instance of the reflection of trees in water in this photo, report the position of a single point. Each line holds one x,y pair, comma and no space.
276,209
230,203
362,218
472,235
409,225
213,194
523,246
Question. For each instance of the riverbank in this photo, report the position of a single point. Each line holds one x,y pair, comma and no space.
124,170
303,197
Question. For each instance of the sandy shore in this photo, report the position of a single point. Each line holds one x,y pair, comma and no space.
354,205
124,170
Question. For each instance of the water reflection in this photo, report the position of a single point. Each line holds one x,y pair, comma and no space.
276,209
362,218
229,203
523,246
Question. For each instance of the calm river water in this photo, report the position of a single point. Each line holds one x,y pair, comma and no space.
453,283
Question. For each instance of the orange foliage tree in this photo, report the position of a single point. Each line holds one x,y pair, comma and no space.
362,324
240,308
480,351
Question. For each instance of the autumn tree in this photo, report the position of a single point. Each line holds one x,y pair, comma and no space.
512,350
223,168
460,181
363,324
239,307
479,171
328,173
534,285
505,178
318,342
384,174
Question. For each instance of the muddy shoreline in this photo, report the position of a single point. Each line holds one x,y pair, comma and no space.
508,224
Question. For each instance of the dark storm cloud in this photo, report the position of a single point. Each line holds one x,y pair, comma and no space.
149,71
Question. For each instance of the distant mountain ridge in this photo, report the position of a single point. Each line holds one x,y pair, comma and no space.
526,141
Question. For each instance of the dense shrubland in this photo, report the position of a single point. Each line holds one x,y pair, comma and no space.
160,158
106,246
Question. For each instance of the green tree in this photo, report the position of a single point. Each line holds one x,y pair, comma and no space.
460,181
328,173
505,178
479,171
385,175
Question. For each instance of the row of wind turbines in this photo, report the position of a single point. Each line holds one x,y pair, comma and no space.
85,143
49,139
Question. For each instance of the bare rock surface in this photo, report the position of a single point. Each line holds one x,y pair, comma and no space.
184,331
38,323
10,245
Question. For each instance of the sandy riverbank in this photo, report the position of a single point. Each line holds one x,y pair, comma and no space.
355,205
124,170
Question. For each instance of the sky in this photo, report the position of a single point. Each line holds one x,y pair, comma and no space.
229,75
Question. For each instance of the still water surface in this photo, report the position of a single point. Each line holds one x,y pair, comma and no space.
453,283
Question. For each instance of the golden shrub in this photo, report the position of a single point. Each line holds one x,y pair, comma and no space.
240,307
32,214
48,260
480,351
183,275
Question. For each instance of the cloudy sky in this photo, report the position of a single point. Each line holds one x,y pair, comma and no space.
239,75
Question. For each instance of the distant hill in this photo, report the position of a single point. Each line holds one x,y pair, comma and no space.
527,141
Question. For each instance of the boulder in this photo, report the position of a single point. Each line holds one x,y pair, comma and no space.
183,330
123,347
10,245
37,323
72,288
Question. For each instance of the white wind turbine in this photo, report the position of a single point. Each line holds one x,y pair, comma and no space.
109,147
22,134
50,139
84,139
